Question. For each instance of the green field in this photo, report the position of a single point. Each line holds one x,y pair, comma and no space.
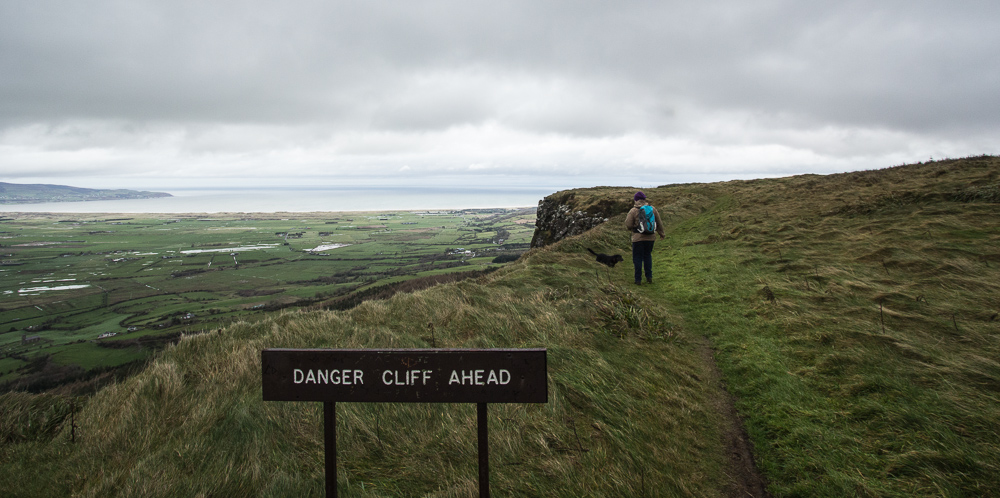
844,328
68,280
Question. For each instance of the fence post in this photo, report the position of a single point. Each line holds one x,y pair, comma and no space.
330,446
484,451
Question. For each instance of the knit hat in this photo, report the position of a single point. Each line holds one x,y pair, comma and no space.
639,195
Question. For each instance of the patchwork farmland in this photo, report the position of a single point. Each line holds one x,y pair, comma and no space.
85,294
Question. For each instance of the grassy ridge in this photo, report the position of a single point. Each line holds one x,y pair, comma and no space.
628,401
854,317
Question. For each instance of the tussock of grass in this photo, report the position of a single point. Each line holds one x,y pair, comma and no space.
854,318
869,368
627,412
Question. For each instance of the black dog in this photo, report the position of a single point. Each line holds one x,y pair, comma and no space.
607,259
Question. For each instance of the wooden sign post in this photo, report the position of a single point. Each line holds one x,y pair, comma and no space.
478,376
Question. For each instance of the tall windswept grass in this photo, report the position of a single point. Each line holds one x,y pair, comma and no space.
853,316
855,319
627,414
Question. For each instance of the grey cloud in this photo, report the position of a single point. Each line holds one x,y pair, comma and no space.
912,64
833,80
918,66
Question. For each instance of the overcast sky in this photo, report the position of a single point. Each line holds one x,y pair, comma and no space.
142,94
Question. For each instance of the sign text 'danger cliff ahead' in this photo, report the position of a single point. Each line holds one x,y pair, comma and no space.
413,375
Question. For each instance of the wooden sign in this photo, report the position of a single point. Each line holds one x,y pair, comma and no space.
406,375
478,376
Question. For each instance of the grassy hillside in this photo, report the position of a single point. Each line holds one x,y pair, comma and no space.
853,316
627,401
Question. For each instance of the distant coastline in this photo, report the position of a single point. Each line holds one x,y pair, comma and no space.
15,193
302,200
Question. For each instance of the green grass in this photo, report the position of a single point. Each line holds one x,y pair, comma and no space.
138,273
873,369
10,364
853,317
196,411
89,355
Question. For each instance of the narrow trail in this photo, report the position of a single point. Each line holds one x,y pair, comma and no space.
745,480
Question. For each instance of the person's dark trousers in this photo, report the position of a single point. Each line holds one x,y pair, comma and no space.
642,255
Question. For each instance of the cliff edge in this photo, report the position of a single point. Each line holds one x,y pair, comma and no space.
572,212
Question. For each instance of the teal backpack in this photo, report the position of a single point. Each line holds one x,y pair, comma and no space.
647,220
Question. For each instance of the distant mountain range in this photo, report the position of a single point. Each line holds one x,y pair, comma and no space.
14,193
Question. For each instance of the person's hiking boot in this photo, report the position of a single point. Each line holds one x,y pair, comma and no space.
638,282
649,280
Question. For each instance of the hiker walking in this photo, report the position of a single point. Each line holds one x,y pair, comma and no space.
644,222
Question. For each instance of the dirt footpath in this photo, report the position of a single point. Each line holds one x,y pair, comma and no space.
745,480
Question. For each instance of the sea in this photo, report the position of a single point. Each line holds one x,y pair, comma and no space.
302,200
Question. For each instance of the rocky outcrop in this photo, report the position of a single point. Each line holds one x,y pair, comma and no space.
566,213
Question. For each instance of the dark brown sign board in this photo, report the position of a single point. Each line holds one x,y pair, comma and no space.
406,375
478,376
